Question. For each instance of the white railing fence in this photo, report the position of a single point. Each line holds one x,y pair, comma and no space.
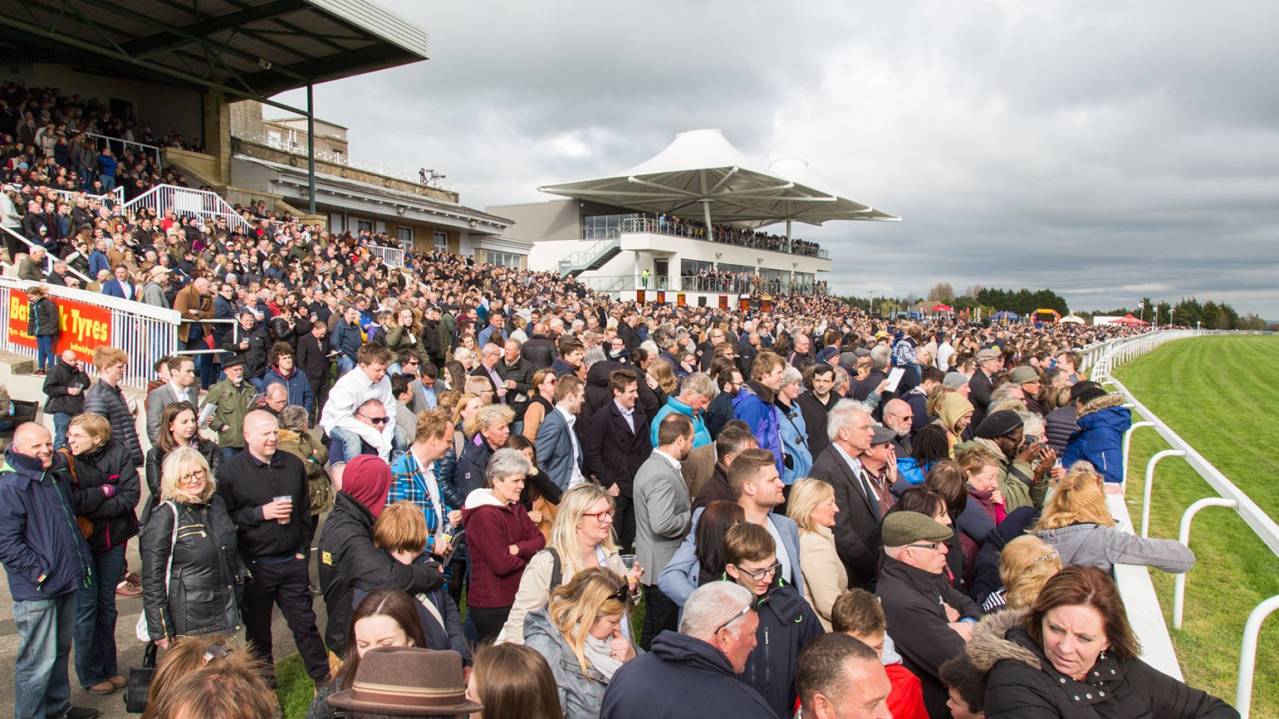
203,204
389,256
145,332
116,195
117,143
1112,354
48,257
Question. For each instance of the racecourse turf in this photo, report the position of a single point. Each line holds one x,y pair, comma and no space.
1219,394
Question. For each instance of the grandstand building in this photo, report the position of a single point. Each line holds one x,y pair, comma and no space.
644,230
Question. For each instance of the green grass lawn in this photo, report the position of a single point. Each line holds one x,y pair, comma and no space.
1219,394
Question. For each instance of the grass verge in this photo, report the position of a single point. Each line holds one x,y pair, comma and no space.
1218,394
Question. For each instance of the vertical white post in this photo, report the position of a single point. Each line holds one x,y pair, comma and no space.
1149,486
1248,654
1179,581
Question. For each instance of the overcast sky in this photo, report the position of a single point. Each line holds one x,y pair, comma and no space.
1106,150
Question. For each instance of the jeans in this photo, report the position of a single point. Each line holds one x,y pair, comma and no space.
345,364
60,422
108,182
95,613
44,352
44,629
205,369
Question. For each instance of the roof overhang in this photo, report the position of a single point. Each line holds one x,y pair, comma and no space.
393,202
700,173
249,48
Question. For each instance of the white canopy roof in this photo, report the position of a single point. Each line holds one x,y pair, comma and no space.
701,174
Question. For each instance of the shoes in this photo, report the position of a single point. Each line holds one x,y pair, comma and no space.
102,688
80,713
128,589
119,681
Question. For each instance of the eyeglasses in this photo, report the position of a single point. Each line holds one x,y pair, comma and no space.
197,475
1047,557
745,610
375,420
930,545
601,517
758,574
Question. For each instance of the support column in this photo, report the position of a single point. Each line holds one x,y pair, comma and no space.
310,151
635,269
706,215
790,247
217,134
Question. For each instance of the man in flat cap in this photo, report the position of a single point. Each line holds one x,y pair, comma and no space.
1027,379
989,361
928,619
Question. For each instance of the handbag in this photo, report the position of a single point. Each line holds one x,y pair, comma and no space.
140,629
139,683
84,523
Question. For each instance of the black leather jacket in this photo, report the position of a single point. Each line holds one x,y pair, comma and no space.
201,595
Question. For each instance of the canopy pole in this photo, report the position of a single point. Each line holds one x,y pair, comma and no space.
789,247
310,152
706,216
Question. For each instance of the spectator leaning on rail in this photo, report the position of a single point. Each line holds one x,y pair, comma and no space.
694,672
1074,655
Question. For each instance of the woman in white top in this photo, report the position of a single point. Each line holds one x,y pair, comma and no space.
812,506
581,537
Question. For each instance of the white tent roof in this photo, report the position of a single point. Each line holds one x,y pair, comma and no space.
701,170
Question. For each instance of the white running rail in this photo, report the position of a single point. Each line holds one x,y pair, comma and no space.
162,199
1229,495
389,256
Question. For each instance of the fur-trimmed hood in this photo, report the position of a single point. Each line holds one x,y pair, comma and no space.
1104,402
989,646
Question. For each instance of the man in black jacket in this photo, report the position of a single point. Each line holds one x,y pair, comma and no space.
348,558
989,361
266,494
517,373
64,386
540,349
615,447
857,524
816,403
314,361
252,345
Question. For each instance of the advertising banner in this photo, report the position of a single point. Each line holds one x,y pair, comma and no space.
83,327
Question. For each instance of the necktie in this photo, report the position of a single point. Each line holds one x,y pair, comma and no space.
871,495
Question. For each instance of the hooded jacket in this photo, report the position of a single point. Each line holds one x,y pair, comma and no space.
1021,682
492,526
1099,440
43,553
296,383
349,560
751,407
113,518
786,625
1103,547
673,406
681,677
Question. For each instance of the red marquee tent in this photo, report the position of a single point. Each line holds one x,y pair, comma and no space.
1131,321
940,307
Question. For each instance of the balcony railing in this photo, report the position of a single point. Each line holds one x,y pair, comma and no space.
723,235
337,158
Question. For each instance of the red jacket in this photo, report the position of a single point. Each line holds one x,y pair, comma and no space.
491,528
906,699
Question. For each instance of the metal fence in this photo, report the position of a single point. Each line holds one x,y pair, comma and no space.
119,143
1228,495
145,332
390,256
162,199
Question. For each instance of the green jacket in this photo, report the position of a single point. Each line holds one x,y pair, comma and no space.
1016,478
230,404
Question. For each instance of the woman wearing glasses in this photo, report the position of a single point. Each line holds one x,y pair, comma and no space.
581,538
786,622
190,566
179,427
580,635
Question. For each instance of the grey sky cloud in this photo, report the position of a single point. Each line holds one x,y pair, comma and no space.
1106,150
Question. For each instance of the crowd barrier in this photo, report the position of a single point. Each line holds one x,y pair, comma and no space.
1117,352
89,320
184,201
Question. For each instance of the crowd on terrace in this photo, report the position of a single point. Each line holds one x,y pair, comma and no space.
740,236
817,510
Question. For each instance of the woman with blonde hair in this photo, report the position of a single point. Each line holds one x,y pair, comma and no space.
664,377
1077,524
541,404
579,634
190,567
954,415
812,506
1025,565
581,538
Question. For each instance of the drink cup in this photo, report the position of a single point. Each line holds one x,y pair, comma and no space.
628,560
285,498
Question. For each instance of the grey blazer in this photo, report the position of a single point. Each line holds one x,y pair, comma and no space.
554,447
662,513
162,397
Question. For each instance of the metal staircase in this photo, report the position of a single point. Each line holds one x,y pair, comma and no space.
591,258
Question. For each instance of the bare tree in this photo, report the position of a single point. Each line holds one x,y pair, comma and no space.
941,292
973,291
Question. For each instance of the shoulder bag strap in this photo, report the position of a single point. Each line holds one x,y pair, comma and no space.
173,541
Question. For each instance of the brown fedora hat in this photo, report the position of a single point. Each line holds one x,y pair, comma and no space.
407,681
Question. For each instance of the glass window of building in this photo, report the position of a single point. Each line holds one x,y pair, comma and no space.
405,236
363,225
441,240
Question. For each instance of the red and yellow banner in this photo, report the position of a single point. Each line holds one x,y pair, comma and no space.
83,327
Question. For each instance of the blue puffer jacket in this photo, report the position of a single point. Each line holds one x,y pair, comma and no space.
794,433
297,384
759,415
40,544
1102,423
700,435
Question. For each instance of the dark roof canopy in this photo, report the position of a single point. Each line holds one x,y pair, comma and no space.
251,48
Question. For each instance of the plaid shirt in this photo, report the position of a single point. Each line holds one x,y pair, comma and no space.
408,483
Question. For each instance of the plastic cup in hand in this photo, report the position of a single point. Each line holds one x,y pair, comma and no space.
284,498
628,560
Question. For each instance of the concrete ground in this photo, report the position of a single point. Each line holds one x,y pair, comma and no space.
27,387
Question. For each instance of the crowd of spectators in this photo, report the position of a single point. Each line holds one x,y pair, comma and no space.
748,283
732,235
816,508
